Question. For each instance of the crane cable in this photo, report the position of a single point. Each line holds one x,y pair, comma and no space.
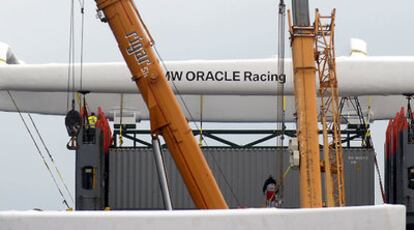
281,103
51,158
201,121
152,43
80,98
215,161
40,152
82,51
368,134
121,130
71,60
284,175
82,4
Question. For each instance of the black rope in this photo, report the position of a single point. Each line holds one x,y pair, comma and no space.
38,149
193,120
384,199
224,177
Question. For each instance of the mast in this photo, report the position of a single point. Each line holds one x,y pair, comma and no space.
303,37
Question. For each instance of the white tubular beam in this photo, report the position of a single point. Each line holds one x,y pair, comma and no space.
356,75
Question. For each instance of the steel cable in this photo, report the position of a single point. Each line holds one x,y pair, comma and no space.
197,127
38,150
71,57
51,158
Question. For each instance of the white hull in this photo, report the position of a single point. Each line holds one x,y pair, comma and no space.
379,217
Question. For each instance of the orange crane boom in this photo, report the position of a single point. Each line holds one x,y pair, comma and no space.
303,37
166,117
310,44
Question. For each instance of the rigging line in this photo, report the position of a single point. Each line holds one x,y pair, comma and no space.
72,37
195,124
121,111
176,88
222,174
233,193
280,101
51,157
73,64
38,149
201,120
82,38
284,175
71,57
384,198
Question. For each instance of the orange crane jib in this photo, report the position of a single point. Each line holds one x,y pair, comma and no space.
166,117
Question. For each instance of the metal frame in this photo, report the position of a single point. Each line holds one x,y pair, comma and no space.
410,118
349,137
363,125
330,112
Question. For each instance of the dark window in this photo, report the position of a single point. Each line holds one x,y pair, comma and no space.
411,177
88,177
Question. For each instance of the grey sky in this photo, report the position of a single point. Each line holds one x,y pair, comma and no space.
183,29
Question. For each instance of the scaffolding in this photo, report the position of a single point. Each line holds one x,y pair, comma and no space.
355,118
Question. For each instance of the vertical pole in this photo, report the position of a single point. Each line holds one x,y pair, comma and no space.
162,174
280,90
300,10
201,121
